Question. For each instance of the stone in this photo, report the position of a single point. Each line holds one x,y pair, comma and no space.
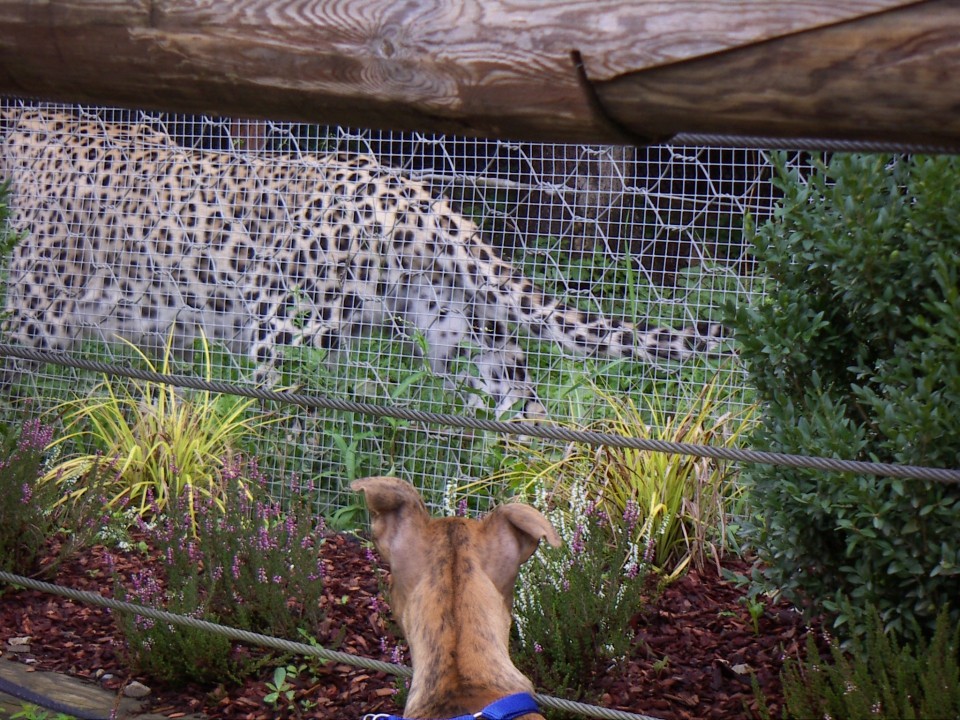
136,690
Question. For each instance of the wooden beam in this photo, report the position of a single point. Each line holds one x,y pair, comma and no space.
579,70
889,77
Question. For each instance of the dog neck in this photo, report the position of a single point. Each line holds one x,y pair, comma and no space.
457,624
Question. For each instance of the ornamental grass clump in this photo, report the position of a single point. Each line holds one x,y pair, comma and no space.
248,563
684,503
33,513
573,606
164,443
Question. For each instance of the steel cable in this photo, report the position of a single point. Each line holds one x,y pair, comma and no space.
530,429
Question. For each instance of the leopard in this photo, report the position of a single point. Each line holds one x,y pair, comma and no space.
128,234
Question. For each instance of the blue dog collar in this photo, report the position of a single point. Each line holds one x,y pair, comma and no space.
509,708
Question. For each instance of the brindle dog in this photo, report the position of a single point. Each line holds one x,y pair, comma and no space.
451,590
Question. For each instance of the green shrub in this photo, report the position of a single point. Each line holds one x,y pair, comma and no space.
877,678
855,353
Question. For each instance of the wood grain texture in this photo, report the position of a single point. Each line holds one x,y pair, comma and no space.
890,77
504,68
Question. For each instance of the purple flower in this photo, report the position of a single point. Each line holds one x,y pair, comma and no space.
577,545
26,493
631,515
34,436
648,551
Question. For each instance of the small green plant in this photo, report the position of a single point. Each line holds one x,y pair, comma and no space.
662,665
285,688
573,606
755,609
281,693
32,512
160,441
33,712
876,677
250,564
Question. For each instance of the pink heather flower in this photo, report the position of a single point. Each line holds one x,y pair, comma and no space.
34,436
537,648
462,508
26,494
631,515
577,546
320,572
648,551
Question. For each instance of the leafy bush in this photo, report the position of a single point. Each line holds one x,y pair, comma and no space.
877,678
32,513
250,565
161,441
855,353
683,501
573,606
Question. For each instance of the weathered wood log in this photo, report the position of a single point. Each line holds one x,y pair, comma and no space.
582,70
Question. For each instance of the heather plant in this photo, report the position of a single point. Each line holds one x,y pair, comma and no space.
573,606
855,353
876,677
33,513
248,563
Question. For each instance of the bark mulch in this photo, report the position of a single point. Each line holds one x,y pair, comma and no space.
695,653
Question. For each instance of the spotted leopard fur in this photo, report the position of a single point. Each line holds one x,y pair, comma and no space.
127,234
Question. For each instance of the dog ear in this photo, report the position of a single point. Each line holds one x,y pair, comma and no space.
397,511
513,532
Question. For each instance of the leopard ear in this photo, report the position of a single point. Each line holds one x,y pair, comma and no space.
398,513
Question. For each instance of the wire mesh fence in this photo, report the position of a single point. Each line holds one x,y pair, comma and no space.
446,274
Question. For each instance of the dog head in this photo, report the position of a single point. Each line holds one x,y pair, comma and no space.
451,591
